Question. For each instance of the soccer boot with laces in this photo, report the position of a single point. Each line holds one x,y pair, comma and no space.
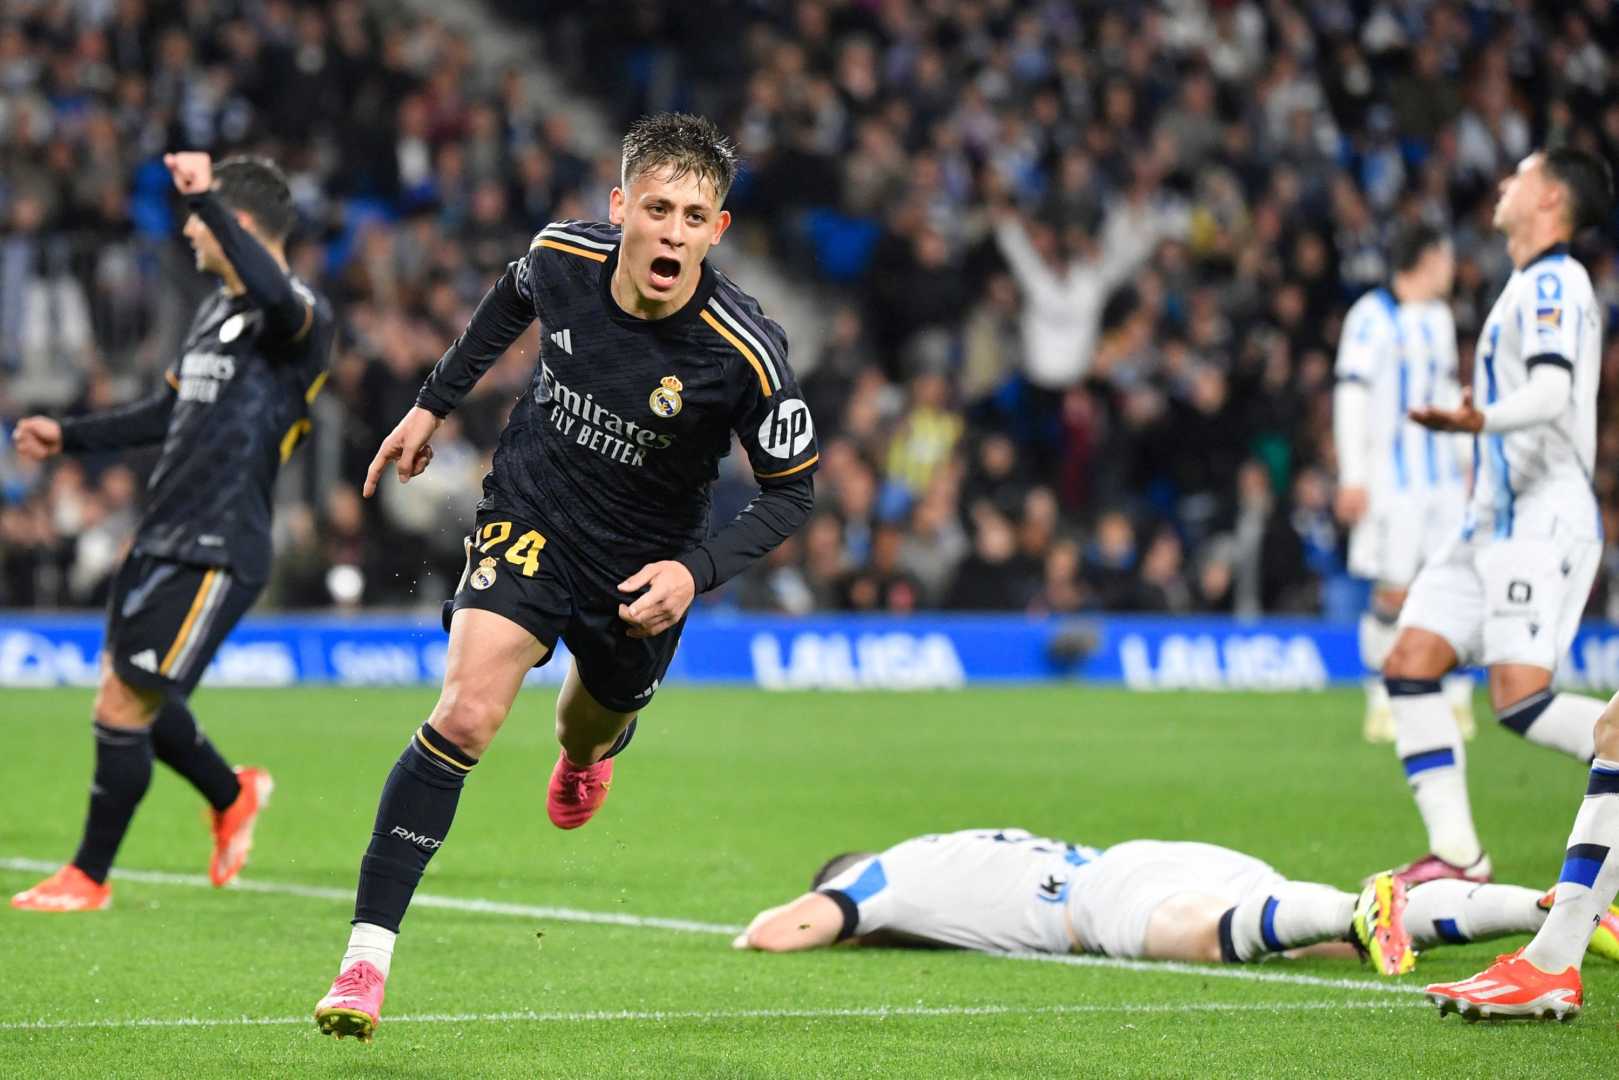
1379,925
353,1006
1511,989
233,826
576,794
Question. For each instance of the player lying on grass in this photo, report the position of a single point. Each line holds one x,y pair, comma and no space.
594,526
1006,890
234,407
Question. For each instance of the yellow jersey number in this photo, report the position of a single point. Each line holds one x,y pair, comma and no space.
524,552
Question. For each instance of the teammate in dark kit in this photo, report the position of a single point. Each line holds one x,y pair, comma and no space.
232,410
594,523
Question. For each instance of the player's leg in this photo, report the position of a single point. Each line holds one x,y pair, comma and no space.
1377,635
1537,591
591,735
1440,623
121,719
489,656
1542,980
236,795
613,677
1450,912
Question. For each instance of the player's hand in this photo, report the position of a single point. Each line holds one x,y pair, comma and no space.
191,170
1350,504
1462,418
37,437
406,444
669,592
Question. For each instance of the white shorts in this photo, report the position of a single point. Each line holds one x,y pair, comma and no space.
1114,896
1516,600
1403,531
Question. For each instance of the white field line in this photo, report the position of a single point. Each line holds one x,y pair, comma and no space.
688,926
881,1012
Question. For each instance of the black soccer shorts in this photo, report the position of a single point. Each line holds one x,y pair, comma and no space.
514,570
165,620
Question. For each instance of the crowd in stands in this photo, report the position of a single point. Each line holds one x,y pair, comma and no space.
1083,265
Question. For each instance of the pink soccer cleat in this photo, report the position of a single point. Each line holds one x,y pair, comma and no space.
233,826
576,794
69,889
1511,989
1433,868
353,1006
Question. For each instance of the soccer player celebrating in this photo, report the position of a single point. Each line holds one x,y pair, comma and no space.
1509,590
1548,314
1005,890
1399,486
230,414
593,528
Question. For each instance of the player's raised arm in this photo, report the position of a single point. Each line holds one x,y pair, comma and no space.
257,261
505,311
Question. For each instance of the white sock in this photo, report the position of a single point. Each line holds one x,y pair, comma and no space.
1377,695
369,942
1288,916
1590,877
1430,748
1451,912
1376,640
1565,722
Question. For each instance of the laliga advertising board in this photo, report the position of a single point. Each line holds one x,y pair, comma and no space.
925,652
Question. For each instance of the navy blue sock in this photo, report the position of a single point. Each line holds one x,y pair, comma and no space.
179,743
123,773
413,818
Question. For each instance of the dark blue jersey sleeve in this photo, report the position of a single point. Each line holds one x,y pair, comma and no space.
505,311
289,311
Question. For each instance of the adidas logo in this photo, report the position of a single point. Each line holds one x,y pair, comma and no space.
563,339
146,660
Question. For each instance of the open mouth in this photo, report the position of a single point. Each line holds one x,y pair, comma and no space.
664,272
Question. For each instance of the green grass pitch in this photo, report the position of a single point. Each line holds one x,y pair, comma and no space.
725,804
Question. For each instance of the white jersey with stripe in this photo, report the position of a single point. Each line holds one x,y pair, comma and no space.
1546,314
1405,355
990,889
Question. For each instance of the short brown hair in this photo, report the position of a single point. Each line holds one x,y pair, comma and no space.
682,143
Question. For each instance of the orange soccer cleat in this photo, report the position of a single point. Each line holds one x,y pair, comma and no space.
576,794
1511,989
69,889
233,826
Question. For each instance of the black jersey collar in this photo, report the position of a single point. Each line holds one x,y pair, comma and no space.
1551,252
687,313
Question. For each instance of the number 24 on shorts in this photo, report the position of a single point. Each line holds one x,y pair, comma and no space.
523,552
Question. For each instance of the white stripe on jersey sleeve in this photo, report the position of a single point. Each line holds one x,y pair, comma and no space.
764,354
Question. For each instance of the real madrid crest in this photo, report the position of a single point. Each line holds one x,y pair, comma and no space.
484,575
665,400
231,328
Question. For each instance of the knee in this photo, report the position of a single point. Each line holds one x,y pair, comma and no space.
468,719
119,705
1410,660
1607,731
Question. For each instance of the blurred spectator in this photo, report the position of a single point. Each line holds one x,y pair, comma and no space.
1082,266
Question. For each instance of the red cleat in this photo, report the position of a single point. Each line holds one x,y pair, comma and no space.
1511,989
1433,868
353,1006
233,826
576,794
69,889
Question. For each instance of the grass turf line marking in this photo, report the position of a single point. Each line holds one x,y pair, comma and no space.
688,926
877,1012
424,900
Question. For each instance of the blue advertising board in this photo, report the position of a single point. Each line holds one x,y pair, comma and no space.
829,652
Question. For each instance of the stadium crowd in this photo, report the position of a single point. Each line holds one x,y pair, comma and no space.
1083,264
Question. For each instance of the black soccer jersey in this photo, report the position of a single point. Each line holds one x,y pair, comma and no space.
620,436
237,406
